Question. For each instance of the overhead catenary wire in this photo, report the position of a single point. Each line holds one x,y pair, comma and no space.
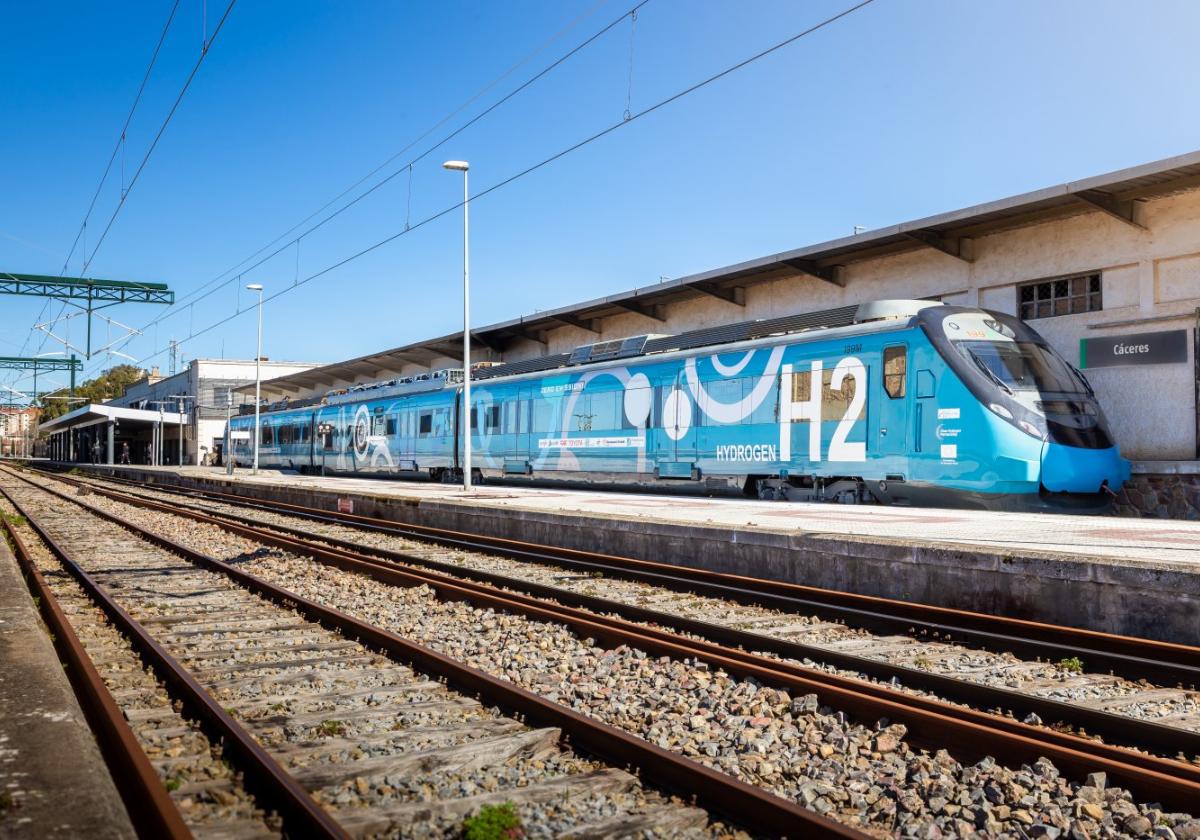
158,136
216,285
662,103
119,147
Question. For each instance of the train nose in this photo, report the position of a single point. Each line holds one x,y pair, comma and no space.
1070,469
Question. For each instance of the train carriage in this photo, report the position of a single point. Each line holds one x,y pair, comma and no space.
910,402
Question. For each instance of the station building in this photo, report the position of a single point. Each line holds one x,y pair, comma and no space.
162,420
1107,269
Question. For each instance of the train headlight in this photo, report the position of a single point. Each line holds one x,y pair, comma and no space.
1029,428
1001,410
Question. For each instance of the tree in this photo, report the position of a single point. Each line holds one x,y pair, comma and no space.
111,383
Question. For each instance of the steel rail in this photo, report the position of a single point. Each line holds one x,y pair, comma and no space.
931,723
147,802
1129,656
1127,731
745,804
301,814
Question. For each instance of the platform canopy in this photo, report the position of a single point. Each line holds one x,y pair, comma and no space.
98,413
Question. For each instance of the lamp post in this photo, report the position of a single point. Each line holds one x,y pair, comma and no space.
257,287
463,167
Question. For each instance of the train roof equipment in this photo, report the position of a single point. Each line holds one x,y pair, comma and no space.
403,386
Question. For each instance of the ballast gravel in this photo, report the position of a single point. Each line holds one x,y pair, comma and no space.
1139,699
864,774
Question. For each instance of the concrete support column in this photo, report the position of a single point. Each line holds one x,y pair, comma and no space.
111,430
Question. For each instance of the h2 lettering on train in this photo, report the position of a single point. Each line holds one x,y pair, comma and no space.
817,395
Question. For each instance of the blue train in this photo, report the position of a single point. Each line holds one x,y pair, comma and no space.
904,402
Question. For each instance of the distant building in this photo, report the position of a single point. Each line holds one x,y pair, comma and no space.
18,427
154,413
1097,266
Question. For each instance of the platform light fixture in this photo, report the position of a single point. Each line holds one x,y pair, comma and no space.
257,287
463,167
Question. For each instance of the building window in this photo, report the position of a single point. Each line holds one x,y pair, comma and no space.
1063,296
895,370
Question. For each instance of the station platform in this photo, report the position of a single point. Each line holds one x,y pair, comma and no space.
1140,577
46,747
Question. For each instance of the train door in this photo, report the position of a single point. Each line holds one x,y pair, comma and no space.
679,418
893,398
514,410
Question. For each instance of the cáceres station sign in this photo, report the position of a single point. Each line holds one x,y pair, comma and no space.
1156,348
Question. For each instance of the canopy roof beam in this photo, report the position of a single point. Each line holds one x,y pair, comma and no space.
828,273
735,295
954,246
1122,211
655,311
591,325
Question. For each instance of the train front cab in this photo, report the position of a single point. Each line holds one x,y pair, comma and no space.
1016,426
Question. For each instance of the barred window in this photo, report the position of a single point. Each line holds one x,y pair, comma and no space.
1062,296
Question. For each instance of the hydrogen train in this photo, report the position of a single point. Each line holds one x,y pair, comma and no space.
904,402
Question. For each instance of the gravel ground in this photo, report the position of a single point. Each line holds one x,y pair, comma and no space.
863,774
390,751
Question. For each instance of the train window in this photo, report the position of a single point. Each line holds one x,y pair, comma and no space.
607,409
635,398
265,435
834,404
895,370
725,392
582,418
544,414
491,418
391,427
377,425
766,411
426,423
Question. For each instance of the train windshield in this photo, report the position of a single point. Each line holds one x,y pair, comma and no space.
1022,366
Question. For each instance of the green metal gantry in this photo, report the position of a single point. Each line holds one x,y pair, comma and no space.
97,294
36,364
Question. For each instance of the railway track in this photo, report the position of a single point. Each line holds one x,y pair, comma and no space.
1101,705
339,739
925,722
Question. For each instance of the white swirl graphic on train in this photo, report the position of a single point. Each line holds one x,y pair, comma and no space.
734,369
743,408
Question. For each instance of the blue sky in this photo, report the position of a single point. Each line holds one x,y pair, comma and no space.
899,110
